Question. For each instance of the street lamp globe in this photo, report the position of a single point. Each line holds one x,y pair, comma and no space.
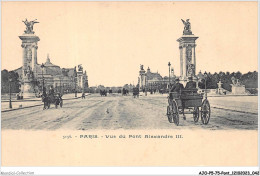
205,74
42,66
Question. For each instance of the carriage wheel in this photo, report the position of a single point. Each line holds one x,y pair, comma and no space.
175,112
205,112
170,114
196,114
61,103
170,101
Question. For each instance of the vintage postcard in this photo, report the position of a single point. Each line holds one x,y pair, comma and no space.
129,84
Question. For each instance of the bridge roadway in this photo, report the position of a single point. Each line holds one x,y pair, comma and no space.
125,112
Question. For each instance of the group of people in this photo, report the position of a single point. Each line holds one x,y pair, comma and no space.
50,92
177,87
125,92
19,96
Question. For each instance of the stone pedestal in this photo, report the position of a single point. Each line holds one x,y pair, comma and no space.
28,90
187,46
238,89
29,45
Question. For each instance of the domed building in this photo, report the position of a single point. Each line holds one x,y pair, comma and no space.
63,80
153,80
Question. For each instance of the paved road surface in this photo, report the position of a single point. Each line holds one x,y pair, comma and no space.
125,112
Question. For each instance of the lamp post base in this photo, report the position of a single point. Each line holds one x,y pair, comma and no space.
10,104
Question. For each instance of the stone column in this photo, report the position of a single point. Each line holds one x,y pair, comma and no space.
142,80
181,61
183,42
35,55
139,82
82,82
33,63
24,58
28,41
145,81
29,56
184,61
194,58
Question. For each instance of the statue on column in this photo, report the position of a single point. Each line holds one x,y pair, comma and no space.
80,68
236,82
187,27
29,26
141,67
28,72
191,70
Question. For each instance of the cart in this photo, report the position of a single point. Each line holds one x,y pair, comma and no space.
188,99
55,99
136,92
103,93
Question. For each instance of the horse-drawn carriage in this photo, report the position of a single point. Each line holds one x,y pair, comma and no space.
49,99
136,92
188,99
125,92
103,93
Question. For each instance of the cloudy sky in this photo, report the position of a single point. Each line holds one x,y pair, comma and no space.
112,39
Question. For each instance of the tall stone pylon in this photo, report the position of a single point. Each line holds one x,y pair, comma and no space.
187,46
142,78
29,57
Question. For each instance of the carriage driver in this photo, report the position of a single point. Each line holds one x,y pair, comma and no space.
191,84
44,94
177,86
51,91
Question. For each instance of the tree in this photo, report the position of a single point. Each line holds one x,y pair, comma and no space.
250,80
15,84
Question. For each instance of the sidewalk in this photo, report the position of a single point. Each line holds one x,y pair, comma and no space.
243,104
32,102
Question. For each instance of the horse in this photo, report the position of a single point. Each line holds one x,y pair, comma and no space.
49,99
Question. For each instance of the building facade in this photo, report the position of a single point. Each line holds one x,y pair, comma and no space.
64,80
153,80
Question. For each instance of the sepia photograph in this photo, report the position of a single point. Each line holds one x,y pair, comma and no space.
129,83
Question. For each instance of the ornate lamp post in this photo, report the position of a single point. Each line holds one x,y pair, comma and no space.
169,64
172,75
205,77
60,84
10,101
42,66
75,73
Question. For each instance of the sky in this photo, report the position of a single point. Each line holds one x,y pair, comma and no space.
112,39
